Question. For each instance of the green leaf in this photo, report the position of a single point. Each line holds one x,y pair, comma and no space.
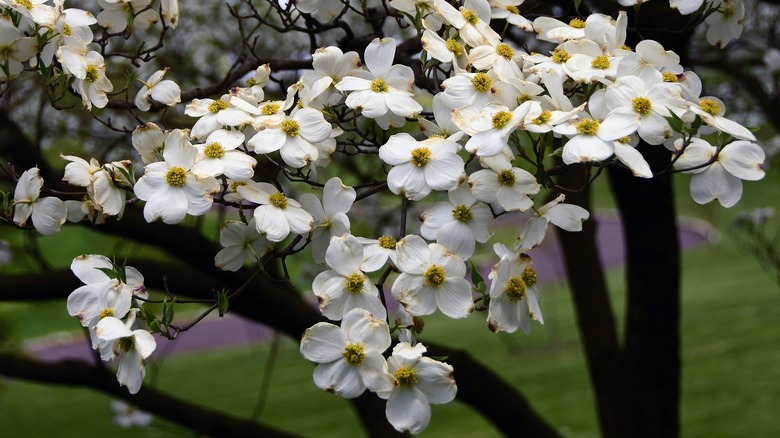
167,317
439,358
696,124
222,302
675,122
476,279
110,272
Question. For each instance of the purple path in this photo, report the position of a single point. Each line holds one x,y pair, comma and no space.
234,330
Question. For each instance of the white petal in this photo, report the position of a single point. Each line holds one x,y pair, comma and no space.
340,378
716,183
48,215
454,298
435,380
408,409
323,342
743,159
110,328
85,267
344,255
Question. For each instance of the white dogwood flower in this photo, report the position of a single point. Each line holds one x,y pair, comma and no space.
330,215
277,215
508,186
420,167
220,155
419,381
132,347
295,138
514,297
431,277
345,286
48,213
568,217
349,357
155,89
239,241
721,179
169,187
457,223
384,91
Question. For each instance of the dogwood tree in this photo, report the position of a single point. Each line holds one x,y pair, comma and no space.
317,132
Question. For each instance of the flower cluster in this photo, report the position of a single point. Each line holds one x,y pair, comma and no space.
477,149
106,306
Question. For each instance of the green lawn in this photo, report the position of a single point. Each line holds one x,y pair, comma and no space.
731,348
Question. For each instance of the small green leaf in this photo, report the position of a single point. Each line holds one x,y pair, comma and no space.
222,302
696,124
675,122
476,279
439,358
167,317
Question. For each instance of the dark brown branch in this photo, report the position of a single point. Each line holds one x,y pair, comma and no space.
595,318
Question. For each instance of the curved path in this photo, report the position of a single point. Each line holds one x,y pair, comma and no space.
234,331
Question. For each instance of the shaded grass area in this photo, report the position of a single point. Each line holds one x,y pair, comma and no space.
731,381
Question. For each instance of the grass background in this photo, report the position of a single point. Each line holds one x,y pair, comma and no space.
731,349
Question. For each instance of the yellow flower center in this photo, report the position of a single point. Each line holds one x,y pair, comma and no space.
469,15
588,127
418,324
506,177
236,184
421,156
269,109
126,344
481,82
505,51
176,176
600,62
515,289
434,276
642,105
66,30
354,283
278,200
728,10
624,140
106,312
379,86
560,56
544,117
529,276
709,106
354,354
455,47
501,118
625,47
25,3
251,82
513,9
214,150
387,242
91,74
670,77
406,377
291,127
462,213
577,23
217,106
